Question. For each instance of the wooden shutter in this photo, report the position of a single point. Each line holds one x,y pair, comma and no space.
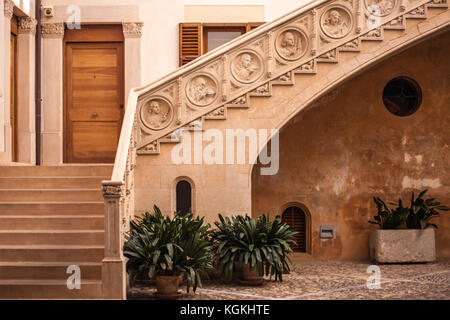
295,217
190,42
252,26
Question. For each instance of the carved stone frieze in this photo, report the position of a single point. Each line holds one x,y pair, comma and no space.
262,91
27,25
8,9
309,67
132,29
380,8
336,22
157,113
52,30
239,101
247,66
202,90
291,44
219,113
113,190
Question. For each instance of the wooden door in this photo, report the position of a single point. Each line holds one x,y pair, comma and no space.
13,88
94,89
296,219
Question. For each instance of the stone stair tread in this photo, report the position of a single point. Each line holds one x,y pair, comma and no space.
52,202
53,190
20,282
51,217
49,247
46,264
52,231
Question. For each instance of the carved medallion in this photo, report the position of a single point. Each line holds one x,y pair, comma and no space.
380,8
336,22
156,114
247,67
202,90
291,44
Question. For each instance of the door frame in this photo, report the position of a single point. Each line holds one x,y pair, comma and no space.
13,89
90,34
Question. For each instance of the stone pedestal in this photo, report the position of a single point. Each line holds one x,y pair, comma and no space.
401,246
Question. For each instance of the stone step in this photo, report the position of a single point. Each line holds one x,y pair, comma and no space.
48,270
15,183
54,195
51,253
90,208
49,289
52,222
55,171
51,237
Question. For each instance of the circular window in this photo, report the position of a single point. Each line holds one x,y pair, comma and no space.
402,96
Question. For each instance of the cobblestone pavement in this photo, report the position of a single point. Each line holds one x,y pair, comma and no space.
331,281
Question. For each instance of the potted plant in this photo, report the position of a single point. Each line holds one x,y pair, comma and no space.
256,247
165,248
404,234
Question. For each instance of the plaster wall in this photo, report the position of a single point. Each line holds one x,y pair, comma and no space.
342,152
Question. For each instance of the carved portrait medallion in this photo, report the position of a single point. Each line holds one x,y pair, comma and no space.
336,22
247,67
291,44
156,114
201,90
380,8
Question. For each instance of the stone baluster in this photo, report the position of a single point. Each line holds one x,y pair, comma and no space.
113,266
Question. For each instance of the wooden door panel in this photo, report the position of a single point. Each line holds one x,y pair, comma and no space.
94,139
94,95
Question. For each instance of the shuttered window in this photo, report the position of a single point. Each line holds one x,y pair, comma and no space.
194,40
190,42
296,218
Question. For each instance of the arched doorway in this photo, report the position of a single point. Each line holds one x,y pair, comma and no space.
297,219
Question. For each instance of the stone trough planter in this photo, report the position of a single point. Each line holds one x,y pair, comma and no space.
402,246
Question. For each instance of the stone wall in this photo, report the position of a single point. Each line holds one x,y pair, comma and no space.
339,153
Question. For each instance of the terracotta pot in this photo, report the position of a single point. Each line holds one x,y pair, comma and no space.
250,277
167,286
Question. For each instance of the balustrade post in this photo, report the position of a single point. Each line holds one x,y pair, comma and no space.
113,265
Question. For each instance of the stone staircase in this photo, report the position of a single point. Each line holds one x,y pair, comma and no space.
51,218
279,73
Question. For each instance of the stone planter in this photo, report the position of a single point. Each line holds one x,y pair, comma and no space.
401,246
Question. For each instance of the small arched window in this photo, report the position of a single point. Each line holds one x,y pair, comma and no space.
296,219
184,197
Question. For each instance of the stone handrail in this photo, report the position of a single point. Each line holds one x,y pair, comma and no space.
228,75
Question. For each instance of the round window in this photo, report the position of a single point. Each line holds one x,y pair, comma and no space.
402,96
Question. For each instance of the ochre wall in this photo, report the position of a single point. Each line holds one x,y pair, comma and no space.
337,155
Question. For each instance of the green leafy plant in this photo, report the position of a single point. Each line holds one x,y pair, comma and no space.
159,245
416,216
261,243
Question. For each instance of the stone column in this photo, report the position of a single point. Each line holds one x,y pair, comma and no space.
132,32
5,67
113,267
52,93
26,131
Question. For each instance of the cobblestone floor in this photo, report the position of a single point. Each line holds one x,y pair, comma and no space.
331,281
